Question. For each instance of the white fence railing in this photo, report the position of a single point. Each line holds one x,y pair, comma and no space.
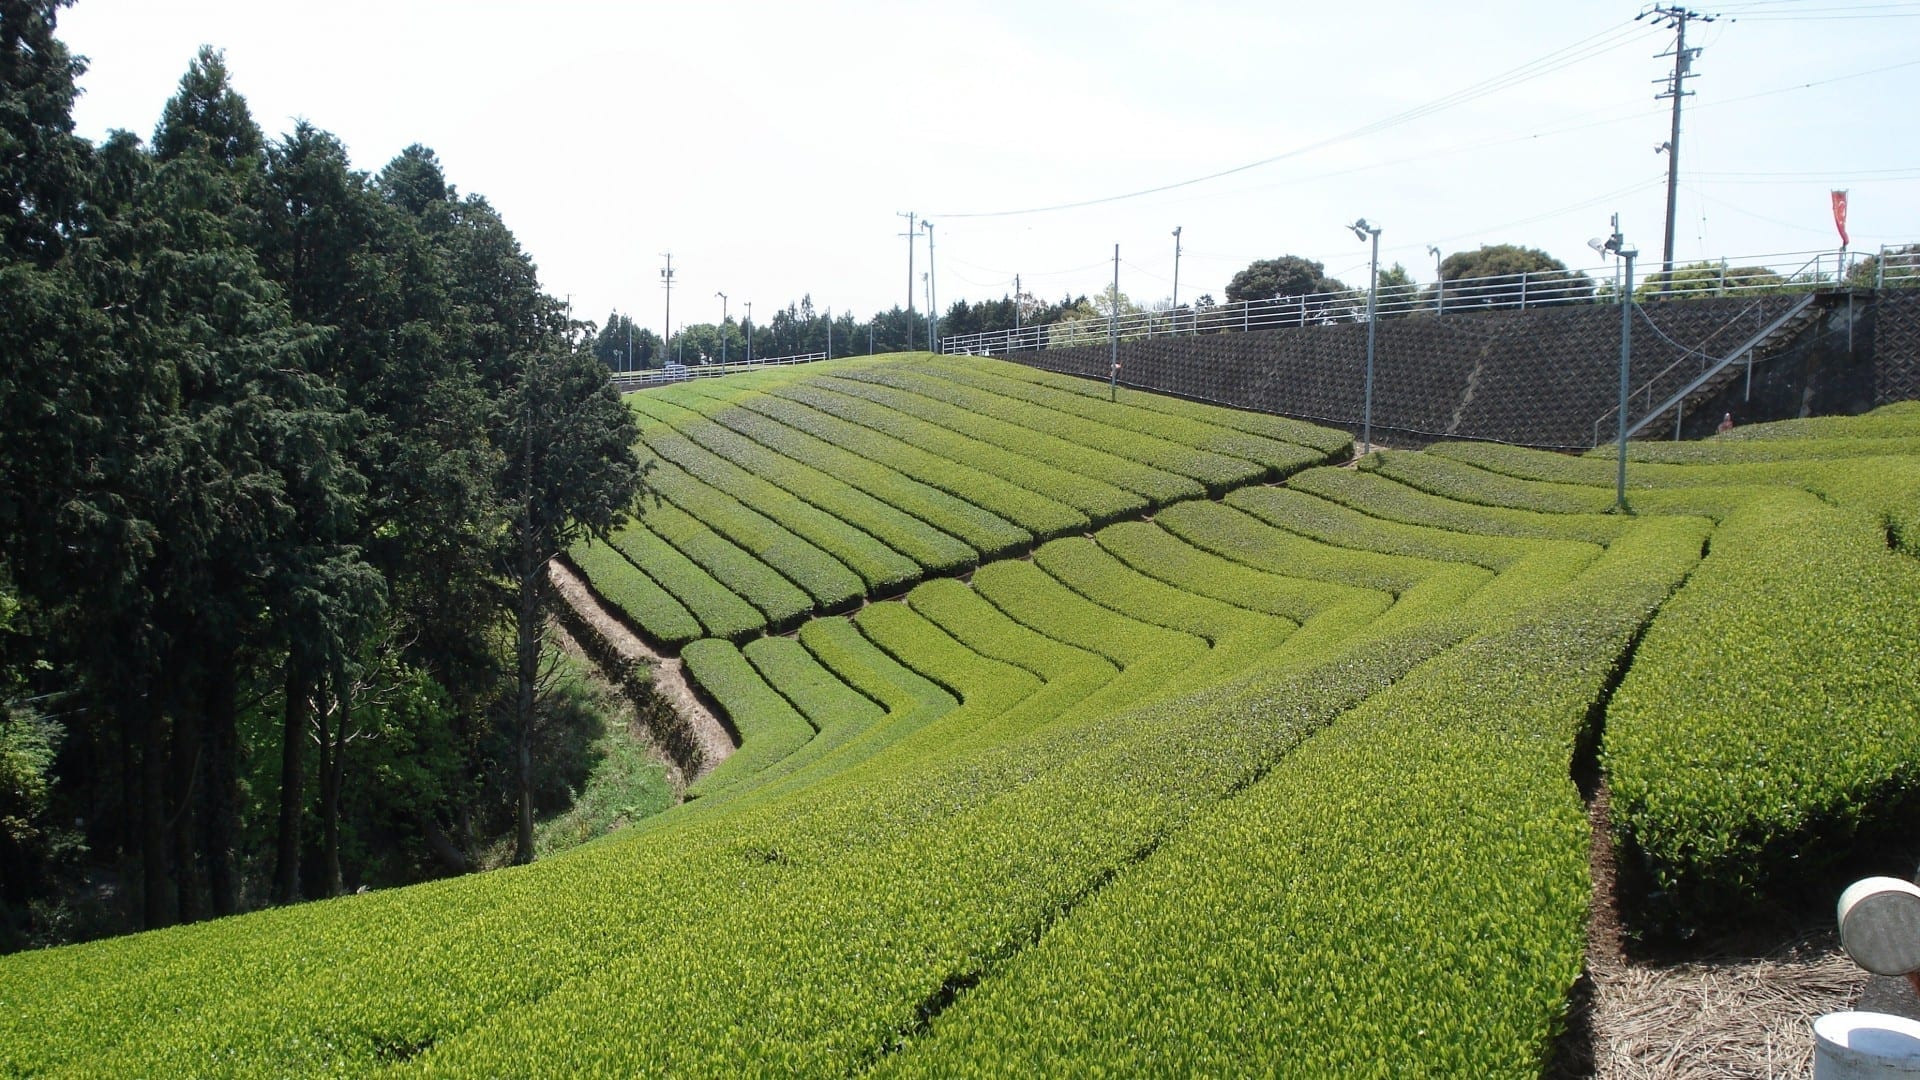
634,380
1794,271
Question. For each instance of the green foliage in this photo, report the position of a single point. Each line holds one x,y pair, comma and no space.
1499,272
1743,769
838,420
1288,275
887,548
780,603
621,584
624,782
1021,455
721,611
769,727
990,535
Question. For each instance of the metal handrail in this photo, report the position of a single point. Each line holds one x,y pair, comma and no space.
680,372
1700,380
1802,271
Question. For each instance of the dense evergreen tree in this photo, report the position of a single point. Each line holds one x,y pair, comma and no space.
285,450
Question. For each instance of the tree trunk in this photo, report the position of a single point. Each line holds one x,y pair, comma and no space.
294,720
334,782
223,787
188,760
332,722
157,893
527,654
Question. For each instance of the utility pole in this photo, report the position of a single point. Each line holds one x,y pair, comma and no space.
933,310
1017,302
829,333
666,280
1113,331
1676,17
749,331
911,235
723,326
927,284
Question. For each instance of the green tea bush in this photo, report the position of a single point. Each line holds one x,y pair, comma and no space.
1098,501
1378,495
1330,442
721,611
621,584
1742,768
990,535
819,695
781,602
1216,472
1278,458
1405,894
820,573
1022,506
1108,488
768,725
887,547
1454,480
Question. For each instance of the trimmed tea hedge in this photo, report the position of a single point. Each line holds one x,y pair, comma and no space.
1739,767
621,584
769,727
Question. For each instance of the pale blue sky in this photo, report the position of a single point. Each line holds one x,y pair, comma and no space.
769,145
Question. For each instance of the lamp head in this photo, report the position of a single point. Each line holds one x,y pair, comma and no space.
1433,251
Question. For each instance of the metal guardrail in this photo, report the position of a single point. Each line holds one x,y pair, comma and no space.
672,373
1780,272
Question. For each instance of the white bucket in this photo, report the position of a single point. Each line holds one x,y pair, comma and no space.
1865,1046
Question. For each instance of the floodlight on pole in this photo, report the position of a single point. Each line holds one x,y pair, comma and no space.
723,326
1176,271
1369,232
1616,245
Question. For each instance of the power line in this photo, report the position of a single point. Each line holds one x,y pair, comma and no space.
1584,49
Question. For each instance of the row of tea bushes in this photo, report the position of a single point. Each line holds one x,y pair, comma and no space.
1098,485
623,587
1742,765
1217,473
990,535
1405,894
1275,457
886,546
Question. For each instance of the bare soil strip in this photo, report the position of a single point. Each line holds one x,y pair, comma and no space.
711,740
1711,1016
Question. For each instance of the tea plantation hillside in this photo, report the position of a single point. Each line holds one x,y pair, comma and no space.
1127,737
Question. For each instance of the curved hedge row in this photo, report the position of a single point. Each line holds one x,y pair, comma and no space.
621,584
1740,767
1215,472
770,728
990,535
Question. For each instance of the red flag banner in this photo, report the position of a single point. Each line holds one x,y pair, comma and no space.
1840,216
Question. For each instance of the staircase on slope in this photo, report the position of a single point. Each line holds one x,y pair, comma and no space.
1697,376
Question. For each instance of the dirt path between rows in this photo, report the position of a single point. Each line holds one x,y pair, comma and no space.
1743,1012
711,741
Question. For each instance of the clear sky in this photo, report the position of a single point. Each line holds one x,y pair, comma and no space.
769,145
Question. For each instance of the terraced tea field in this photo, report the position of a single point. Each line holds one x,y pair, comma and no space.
1128,737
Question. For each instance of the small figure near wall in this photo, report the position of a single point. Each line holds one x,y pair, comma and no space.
1726,424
